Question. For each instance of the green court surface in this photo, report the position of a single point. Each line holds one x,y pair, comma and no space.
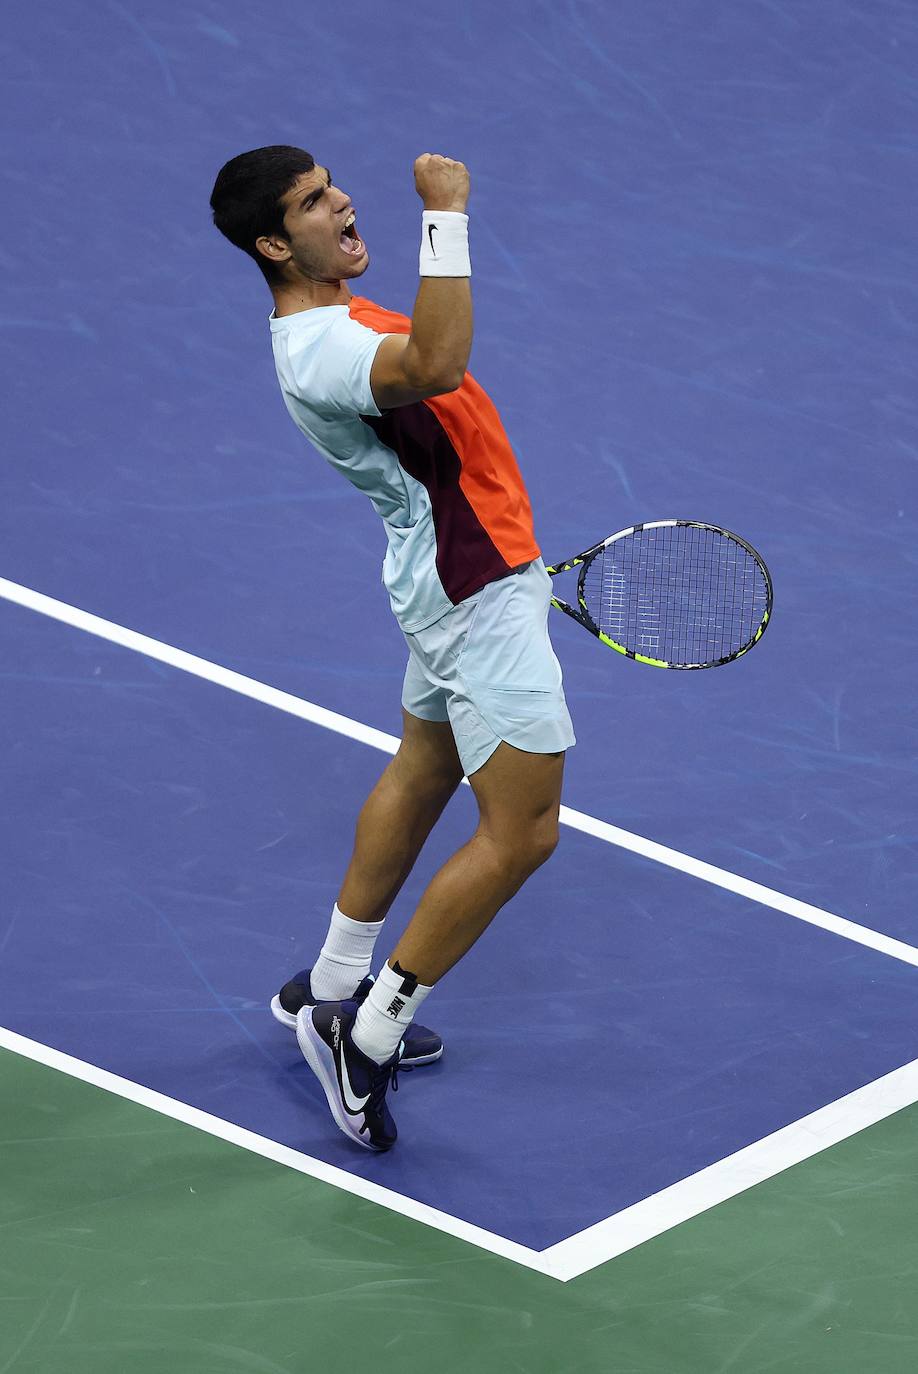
132,1242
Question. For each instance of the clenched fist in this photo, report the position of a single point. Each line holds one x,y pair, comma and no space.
441,183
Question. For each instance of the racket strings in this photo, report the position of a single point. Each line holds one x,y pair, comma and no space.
677,593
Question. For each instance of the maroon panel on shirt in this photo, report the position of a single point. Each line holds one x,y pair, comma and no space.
467,558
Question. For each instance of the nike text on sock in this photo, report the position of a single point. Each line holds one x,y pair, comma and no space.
345,957
387,1013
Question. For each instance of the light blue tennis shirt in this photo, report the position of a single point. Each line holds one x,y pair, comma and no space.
440,472
323,360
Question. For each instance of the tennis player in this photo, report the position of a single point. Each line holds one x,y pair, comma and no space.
388,401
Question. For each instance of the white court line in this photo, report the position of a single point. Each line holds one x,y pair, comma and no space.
378,739
634,1225
744,887
586,1250
734,1174
270,1149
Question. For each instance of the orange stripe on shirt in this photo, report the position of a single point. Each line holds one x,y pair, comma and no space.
490,478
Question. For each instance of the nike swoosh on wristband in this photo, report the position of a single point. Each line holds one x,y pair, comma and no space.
430,233
344,1083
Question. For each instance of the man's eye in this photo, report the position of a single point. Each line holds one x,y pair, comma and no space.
314,202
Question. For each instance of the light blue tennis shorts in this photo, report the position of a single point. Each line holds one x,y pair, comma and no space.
488,667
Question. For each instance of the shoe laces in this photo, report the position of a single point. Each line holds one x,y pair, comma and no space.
388,1073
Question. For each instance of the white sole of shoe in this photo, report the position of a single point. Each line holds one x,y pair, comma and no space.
286,1018
321,1060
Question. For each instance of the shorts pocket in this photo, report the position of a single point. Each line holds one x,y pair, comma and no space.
518,703
535,721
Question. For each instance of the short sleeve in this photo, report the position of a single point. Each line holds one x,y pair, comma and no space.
331,373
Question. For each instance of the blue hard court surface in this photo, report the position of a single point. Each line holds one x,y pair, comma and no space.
694,295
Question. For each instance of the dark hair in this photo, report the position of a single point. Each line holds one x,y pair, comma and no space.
247,193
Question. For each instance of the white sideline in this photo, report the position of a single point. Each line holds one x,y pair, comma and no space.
379,739
586,1250
734,1174
635,1224
270,1149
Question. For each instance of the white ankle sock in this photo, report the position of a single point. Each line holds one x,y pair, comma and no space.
345,957
387,1013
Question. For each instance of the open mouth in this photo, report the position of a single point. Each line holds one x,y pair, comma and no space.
350,240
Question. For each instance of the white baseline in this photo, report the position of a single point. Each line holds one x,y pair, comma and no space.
635,1224
585,1250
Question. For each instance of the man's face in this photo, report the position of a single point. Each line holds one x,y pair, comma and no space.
319,222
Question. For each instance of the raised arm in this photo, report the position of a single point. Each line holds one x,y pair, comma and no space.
432,359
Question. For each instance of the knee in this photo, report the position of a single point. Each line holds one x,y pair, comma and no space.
536,847
544,843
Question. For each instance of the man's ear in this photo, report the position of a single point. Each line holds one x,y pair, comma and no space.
276,250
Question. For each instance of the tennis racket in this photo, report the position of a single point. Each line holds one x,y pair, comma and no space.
672,593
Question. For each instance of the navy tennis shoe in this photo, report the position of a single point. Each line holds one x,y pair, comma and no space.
355,1086
420,1045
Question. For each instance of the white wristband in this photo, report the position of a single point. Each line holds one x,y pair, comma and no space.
444,244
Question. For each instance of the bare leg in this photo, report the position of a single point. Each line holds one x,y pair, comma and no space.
519,797
397,817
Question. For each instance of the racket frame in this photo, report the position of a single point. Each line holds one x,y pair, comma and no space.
583,617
